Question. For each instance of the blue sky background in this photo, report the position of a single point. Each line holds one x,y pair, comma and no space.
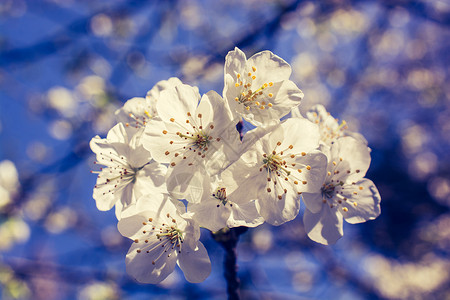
66,66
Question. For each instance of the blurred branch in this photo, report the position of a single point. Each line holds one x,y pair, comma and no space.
63,38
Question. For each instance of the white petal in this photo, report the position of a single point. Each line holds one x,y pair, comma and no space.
313,171
150,180
212,215
278,211
244,214
117,134
154,94
134,114
367,203
355,153
324,227
157,139
301,133
235,62
177,102
131,227
269,67
195,265
313,201
140,265
185,182
285,96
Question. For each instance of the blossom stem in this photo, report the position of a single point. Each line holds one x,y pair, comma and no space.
228,239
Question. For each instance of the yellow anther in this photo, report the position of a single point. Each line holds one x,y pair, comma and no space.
256,103
270,95
329,173
172,120
254,69
148,114
299,170
253,77
164,131
334,163
247,107
238,75
270,83
261,107
269,105
361,188
303,153
308,168
236,85
345,209
236,99
249,74
355,204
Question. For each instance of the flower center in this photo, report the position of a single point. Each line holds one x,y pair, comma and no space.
169,235
274,163
139,121
221,195
258,98
329,130
328,191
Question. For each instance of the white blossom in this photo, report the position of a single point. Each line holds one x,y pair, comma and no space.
130,172
279,164
162,238
259,89
219,207
137,111
345,193
191,137
329,127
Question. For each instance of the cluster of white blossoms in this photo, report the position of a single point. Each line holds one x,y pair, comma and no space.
175,162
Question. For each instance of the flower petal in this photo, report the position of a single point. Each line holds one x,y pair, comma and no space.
278,211
367,201
244,214
195,265
313,201
211,214
324,227
152,267
177,102
269,67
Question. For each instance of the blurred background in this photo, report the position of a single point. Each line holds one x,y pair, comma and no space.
66,66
